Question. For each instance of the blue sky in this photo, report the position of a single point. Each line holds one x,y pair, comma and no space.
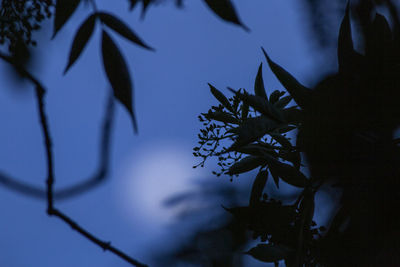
193,47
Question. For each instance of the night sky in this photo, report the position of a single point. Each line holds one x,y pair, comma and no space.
193,47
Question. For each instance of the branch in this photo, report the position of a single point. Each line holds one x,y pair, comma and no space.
81,187
51,211
104,245
48,145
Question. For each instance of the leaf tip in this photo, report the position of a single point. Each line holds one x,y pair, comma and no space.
266,55
245,28
231,89
152,49
67,68
53,35
134,123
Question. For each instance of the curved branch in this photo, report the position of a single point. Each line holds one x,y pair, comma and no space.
81,187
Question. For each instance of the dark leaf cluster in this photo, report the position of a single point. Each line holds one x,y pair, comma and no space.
345,130
18,20
249,131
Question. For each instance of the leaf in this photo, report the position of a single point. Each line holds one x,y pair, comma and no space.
244,165
300,93
259,89
261,105
251,130
121,28
285,129
379,39
275,96
293,157
269,252
283,141
345,43
381,27
146,4
64,10
226,11
245,111
283,102
307,207
118,74
221,116
81,38
275,176
287,173
259,149
133,4
293,115
258,187
220,97
243,213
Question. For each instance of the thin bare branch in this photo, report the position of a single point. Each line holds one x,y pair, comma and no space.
104,245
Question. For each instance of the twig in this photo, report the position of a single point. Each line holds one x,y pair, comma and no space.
51,211
104,245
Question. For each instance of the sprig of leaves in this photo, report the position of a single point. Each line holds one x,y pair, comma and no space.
249,131
114,64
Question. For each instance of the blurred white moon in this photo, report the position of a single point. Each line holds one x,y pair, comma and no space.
154,173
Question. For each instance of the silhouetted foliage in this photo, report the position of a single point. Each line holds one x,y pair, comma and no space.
345,127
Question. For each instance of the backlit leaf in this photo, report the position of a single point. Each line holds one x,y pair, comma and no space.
81,38
118,74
